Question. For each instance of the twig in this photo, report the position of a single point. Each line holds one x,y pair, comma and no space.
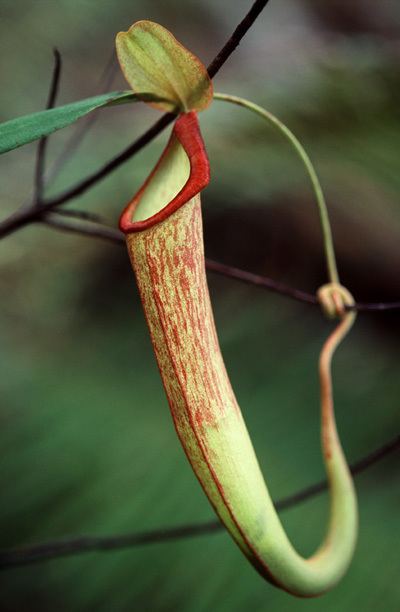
80,214
236,37
85,125
24,216
83,128
17,557
113,164
356,468
93,230
282,289
261,281
99,230
41,149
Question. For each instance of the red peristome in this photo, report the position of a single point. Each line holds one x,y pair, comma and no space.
187,131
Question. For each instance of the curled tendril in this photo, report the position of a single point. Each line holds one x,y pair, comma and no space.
335,300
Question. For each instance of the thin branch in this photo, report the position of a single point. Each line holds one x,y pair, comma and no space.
282,289
376,307
17,557
85,125
236,37
81,214
93,230
113,164
24,216
99,230
261,281
355,468
41,149
55,82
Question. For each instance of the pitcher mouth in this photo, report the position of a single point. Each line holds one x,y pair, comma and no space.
181,173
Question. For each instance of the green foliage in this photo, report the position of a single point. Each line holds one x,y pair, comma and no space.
20,131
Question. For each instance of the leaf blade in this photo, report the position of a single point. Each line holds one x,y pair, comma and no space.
22,130
153,60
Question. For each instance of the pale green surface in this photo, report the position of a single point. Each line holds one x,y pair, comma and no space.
171,176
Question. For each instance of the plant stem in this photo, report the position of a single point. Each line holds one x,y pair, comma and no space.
42,146
323,212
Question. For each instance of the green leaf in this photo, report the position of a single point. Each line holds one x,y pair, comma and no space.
153,60
22,130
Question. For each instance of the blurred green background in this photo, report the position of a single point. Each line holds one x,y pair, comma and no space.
87,442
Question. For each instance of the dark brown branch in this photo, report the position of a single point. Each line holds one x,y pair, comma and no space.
376,307
356,468
55,82
17,557
94,230
99,230
86,124
30,215
282,289
41,149
25,216
80,214
260,281
236,37
113,164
